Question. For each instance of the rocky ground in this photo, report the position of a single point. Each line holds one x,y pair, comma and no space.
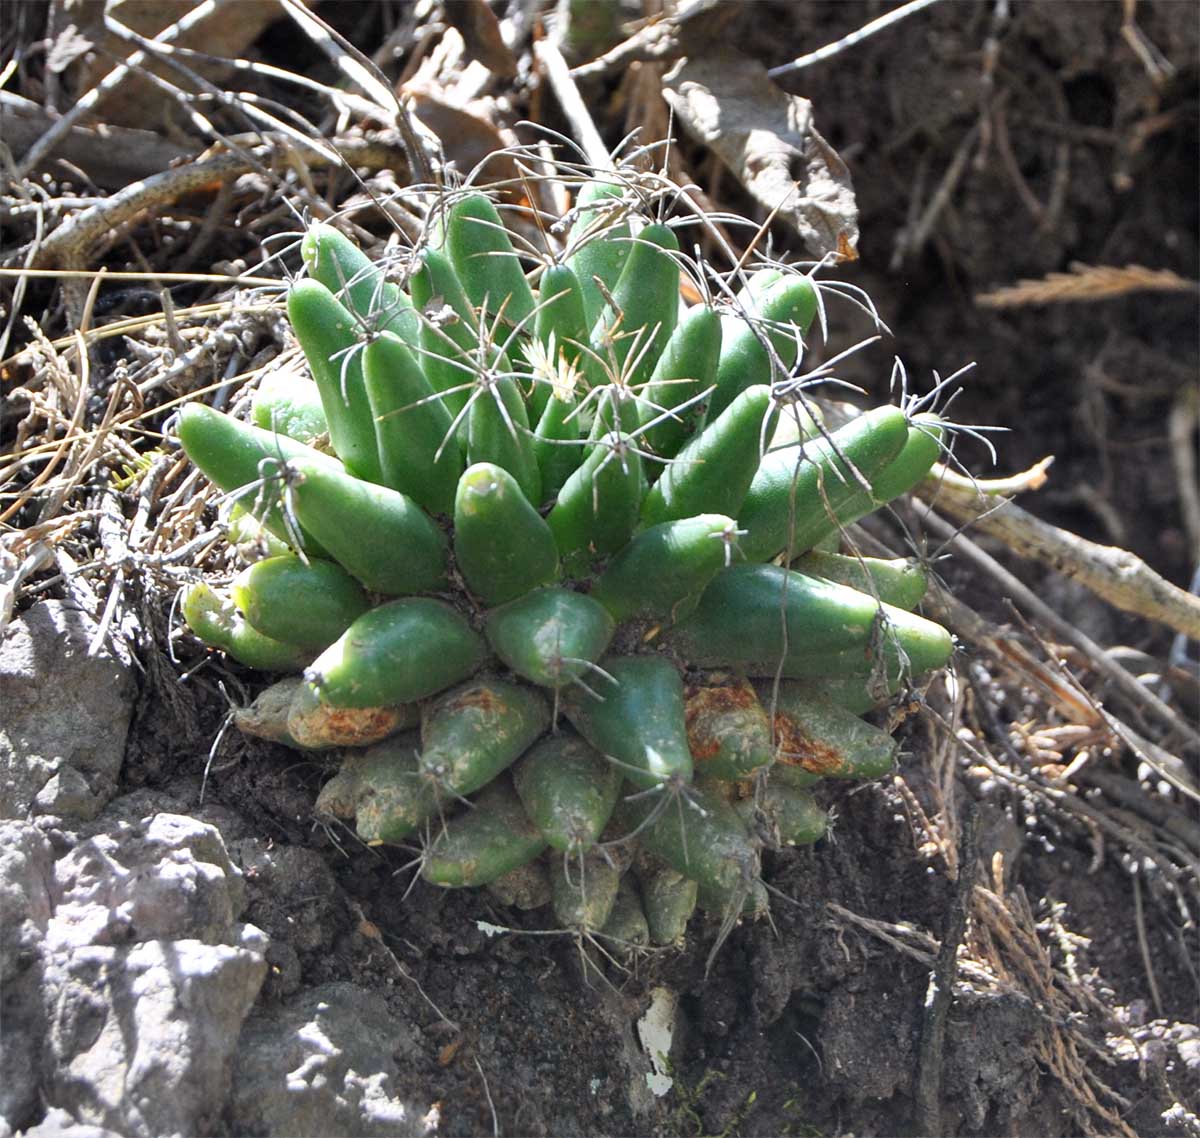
185,950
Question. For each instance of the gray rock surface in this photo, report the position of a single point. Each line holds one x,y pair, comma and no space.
66,715
127,977
169,876
324,1064
141,1038
59,1124
26,877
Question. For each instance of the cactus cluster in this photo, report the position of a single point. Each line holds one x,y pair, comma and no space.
551,561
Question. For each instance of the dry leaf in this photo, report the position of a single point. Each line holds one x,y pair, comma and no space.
480,30
225,33
467,139
112,157
446,96
768,139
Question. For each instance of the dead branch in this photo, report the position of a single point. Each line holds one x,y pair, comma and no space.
1118,576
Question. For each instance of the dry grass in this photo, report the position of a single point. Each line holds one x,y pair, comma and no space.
1086,282
93,494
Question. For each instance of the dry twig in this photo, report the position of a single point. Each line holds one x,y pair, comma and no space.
572,104
58,130
71,244
941,979
1118,576
1077,704
1181,434
868,29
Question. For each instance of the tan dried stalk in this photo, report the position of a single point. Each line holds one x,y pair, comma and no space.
1086,282
1118,576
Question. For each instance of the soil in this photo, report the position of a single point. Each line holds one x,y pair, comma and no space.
812,1023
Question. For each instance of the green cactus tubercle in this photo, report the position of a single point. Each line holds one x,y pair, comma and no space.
553,563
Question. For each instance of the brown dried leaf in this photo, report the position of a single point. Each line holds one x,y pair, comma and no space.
480,31
467,139
225,33
767,138
113,157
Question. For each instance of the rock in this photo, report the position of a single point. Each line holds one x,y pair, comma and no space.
26,873
127,975
26,897
323,1064
1186,1039
148,977
59,1124
66,715
142,1038
168,877
136,805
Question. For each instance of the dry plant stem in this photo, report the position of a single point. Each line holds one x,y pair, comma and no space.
658,42
1013,932
1056,1000
922,947
123,544
370,930
74,580
1144,946
79,461
421,147
119,558
120,156
941,981
912,241
71,243
1181,433
351,62
1140,839
855,37
1118,576
1166,765
18,295
138,322
1158,67
190,363
1171,817
14,571
572,104
976,630
235,307
1032,479
352,102
44,145
998,120
244,103
1086,282
936,830
71,436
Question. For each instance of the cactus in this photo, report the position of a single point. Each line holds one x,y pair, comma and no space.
561,532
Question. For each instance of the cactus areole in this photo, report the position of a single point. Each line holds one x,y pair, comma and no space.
543,548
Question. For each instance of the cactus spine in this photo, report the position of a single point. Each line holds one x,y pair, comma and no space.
552,523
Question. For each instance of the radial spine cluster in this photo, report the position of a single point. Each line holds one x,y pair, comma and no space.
550,565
